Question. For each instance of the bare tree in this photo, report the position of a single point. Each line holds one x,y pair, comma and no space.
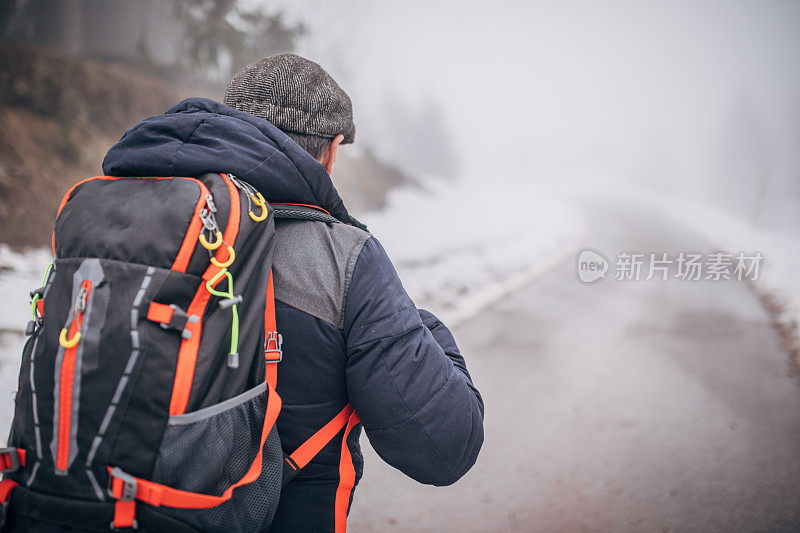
222,35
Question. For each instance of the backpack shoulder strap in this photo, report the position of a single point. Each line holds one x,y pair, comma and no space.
303,455
303,212
346,418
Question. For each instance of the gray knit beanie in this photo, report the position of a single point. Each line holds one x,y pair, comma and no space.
294,94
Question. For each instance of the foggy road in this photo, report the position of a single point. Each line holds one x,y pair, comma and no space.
619,406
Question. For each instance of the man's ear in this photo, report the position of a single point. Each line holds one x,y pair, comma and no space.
329,157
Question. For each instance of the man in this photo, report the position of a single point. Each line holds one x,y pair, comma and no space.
350,331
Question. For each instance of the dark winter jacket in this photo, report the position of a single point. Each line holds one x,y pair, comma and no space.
351,333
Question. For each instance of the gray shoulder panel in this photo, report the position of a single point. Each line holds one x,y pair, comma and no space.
313,265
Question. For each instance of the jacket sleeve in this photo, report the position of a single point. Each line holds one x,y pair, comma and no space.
406,378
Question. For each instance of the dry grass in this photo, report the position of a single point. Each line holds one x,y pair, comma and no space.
785,324
59,115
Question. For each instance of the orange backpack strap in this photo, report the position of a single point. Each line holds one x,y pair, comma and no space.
303,455
6,486
273,341
10,460
347,479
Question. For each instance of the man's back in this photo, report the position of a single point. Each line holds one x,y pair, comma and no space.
351,334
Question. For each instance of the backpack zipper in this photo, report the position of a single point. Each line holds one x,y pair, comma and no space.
67,375
253,196
187,354
189,244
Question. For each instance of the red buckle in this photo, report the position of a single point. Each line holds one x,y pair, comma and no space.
11,459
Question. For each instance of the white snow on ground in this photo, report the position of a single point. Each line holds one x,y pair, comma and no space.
20,273
457,251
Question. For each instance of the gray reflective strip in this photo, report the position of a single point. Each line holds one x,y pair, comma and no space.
131,362
139,296
196,416
90,270
135,338
123,381
95,485
33,384
120,387
107,419
38,435
34,471
34,400
95,444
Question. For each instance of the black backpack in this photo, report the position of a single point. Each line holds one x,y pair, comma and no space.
146,393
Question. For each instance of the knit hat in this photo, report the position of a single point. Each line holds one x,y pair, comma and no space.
294,94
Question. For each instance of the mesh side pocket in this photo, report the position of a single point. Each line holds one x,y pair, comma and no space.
209,450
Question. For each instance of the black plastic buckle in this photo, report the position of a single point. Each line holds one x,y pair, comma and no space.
273,344
129,485
134,526
12,461
179,320
34,324
39,291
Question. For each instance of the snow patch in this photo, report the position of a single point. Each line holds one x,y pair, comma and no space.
20,273
457,251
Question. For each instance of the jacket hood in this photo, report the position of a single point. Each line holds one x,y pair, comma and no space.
199,136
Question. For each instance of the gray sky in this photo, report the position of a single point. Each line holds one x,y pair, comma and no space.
700,97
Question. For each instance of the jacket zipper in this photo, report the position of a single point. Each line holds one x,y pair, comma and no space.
67,378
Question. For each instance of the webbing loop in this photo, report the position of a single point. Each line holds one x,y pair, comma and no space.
230,301
6,486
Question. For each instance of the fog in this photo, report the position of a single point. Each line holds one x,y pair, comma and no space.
696,99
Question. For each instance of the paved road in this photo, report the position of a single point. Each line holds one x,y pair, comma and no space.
638,406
